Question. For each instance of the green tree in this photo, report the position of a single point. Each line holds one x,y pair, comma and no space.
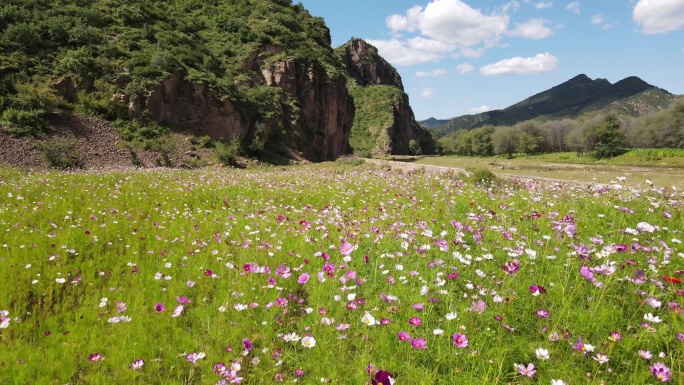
505,140
604,136
481,141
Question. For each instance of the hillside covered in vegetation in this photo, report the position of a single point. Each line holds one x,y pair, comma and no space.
261,73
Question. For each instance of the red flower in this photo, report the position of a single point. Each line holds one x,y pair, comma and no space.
671,279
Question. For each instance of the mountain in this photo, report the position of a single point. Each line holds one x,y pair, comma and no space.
384,122
260,73
576,96
432,122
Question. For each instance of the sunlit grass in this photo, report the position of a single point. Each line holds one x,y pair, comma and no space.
394,245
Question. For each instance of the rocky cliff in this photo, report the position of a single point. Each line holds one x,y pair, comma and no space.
384,122
312,113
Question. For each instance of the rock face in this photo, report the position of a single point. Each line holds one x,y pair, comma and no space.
369,69
318,129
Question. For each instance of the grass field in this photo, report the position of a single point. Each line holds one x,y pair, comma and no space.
335,274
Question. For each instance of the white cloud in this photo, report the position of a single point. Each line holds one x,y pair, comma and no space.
455,22
451,22
532,29
434,73
542,5
573,7
480,109
466,68
659,16
427,93
596,19
470,52
429,45
511,6
405,23
400,53
539,63
452,28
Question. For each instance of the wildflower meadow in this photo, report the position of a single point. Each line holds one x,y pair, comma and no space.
336,274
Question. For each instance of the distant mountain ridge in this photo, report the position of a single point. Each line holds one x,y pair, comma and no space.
581,94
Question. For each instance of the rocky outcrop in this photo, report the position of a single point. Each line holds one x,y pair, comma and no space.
366,66
318,128
369,69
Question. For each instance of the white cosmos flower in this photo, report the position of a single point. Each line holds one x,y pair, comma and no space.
308,342
368,319
542,353
451,316
651,318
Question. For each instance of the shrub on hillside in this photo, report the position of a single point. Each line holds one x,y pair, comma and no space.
61,153
227,153
24,122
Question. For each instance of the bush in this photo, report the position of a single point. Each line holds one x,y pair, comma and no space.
206,142
227,153
348,161
24,122
61,153
141,134
482,176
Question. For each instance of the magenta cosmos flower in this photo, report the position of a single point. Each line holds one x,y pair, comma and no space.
660,371
510,268
418,343
415,321
382,378
403,336
460,340
95,357
159,307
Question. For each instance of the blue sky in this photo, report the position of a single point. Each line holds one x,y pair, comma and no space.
458,57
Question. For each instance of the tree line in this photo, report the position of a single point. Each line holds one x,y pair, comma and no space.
601,134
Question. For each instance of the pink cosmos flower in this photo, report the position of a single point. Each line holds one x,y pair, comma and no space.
542,313
661,371
177,311
460,340
120,307
346,248
304,278
479,306
183,300
415,321
159,307
587,274
137,364
403,336
528,370
220,368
